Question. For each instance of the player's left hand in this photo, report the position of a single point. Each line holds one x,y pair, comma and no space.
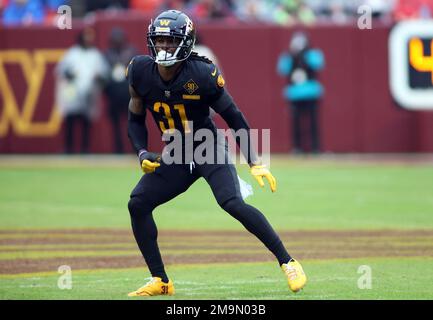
149,161
260,171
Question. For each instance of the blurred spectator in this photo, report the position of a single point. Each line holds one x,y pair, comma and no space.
250,10
55,4
95,5
306,15
289,12
210,9
146,6
338,14
285,12
25,12
51,8
300,65
3,4
282,12
380,8
413,9
81,73
180,5
118,55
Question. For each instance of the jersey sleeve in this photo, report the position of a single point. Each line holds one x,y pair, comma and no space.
134,73
129,72
217,95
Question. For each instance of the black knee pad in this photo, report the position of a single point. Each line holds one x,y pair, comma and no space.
139,206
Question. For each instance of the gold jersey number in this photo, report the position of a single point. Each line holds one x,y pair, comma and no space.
180,108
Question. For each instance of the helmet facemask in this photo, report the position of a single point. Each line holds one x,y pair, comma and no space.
168,54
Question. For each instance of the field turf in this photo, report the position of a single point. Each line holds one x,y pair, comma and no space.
349,197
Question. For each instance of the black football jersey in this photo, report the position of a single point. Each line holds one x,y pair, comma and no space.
183,103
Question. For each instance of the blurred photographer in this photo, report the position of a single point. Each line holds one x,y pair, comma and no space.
81,74
300,65
118,55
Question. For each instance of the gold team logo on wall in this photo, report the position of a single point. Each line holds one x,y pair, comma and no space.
19,116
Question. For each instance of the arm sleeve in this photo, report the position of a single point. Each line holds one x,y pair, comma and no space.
223,104
236,121
137,131
284,65
315,59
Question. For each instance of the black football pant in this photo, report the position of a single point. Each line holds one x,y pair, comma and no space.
116,121
71,122
168,181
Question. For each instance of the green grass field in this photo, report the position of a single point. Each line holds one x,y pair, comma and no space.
336,279
313,194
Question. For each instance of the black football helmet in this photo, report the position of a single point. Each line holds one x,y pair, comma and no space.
179,27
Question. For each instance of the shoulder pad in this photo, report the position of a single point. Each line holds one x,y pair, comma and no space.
138,62
142,61
136,72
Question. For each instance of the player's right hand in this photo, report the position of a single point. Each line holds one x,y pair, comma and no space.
149,161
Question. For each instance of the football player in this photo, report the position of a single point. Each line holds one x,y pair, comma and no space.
178,87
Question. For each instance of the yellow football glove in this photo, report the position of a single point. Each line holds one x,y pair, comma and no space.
149,161
148,166
260,171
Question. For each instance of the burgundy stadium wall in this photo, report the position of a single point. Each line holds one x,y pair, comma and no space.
357,113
